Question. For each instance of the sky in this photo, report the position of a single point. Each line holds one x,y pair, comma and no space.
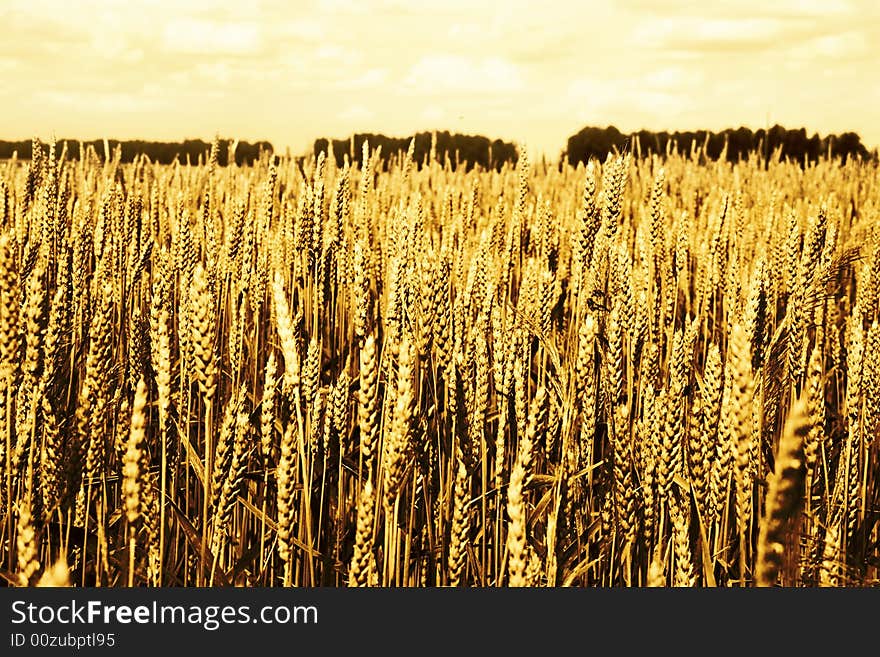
533,72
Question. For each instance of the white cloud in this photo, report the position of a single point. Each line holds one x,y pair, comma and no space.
103,101
207,37
369,79
343,6
672,77
665,93
465,31
442,73
218,72
833,46
333,52
744,29
687,31
356,113
434,113
745,9
813,8
306,29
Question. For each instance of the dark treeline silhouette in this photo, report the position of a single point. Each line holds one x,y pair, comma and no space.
456,149
157,151
468,150
793,144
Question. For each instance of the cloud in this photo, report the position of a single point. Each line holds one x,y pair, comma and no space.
333,52
443,73
207,37
801,9
395,7
369,79
434,113
343,6
813,8
745,27
218,72
847,45
724,34
149,99
356,113
465,31
305,29
665,92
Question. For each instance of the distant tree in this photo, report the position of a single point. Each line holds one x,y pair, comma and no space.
451,149
597,143
156,151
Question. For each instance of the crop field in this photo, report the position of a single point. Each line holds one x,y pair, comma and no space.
646,371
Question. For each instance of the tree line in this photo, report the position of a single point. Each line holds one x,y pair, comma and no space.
454,149
191,150
731,144
470,150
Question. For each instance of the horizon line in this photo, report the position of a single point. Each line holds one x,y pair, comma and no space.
517,143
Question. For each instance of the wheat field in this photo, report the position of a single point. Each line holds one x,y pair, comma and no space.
647,371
